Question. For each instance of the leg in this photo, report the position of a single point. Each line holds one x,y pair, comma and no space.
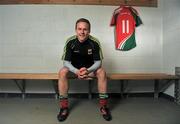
102,80
102,86
103,96
63,82
63,92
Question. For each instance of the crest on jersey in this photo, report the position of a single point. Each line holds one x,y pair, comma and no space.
89,51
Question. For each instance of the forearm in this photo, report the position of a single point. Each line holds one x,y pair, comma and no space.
70,66
95,66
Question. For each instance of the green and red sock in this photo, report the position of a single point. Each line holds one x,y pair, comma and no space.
103,99
63,101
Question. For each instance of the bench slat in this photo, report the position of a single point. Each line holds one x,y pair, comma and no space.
141,76
28,76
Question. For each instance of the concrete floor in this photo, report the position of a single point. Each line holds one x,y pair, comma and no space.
83,111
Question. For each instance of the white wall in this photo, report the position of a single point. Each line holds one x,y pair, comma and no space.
33,37
171,31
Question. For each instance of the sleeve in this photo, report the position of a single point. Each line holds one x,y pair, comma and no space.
114,16
138,21
95,66
97,52
113,22
70,66
136,16
67,52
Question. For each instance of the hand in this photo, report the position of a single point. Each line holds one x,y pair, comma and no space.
82,73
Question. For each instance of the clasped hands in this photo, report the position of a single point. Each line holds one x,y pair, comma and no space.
82,73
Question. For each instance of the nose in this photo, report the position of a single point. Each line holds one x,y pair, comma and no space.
82,31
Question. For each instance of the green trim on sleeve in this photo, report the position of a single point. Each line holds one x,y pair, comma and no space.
67,41
97,41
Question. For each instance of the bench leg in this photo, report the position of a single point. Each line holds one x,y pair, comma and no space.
90,89
55,84
177,92
156,89
21,84
23,89
122,88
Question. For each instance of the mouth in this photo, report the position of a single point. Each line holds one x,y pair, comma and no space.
82,35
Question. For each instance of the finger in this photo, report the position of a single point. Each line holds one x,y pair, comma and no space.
83,69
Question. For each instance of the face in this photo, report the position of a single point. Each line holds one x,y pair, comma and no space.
82,31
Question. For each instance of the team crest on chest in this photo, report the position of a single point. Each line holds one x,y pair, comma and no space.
89,51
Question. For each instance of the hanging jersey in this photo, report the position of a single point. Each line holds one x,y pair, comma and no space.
125,19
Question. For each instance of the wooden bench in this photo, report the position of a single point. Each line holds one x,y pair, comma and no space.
122,77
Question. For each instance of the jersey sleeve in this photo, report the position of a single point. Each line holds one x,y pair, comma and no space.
136,17
97,54
113,20
67,52
138,21
114,16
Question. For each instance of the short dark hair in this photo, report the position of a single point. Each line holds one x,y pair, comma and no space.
83,20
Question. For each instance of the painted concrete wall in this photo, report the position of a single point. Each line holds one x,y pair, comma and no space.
171,40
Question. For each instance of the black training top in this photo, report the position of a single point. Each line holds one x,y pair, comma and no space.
82,54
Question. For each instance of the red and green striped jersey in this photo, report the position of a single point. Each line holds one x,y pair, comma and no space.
125,19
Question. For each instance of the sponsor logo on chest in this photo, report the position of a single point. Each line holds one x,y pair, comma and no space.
89,51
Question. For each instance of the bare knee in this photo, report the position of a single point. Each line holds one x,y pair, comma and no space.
100,73
63,72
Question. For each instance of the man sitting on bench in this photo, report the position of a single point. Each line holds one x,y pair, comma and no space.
82,56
